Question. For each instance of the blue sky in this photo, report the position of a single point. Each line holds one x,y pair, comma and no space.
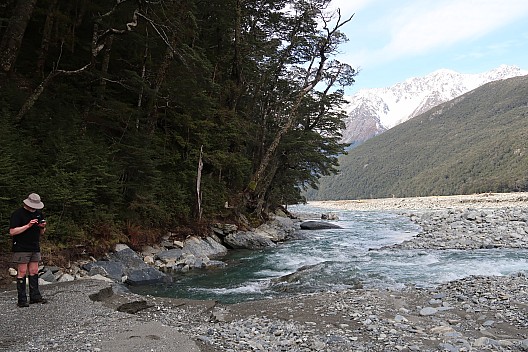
392,40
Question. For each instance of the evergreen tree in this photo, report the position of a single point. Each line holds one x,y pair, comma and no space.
118,103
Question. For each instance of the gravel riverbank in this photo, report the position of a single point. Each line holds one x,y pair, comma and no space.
472,314
474,201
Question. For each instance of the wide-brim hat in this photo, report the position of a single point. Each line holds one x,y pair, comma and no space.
33,201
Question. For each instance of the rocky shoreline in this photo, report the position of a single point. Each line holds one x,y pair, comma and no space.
471,314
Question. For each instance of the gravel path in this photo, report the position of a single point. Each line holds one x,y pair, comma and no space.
472,314
87,315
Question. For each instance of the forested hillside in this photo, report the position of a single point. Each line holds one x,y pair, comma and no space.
475,143
131,118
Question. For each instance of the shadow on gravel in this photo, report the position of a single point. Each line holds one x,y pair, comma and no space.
111,297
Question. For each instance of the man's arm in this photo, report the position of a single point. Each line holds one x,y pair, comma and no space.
18,230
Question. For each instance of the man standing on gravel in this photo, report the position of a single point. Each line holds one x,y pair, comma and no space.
26,226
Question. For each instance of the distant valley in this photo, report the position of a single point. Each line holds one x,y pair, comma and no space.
374,111
477,142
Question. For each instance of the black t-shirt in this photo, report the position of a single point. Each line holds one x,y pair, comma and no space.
29,240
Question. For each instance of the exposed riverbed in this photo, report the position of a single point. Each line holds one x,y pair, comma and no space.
473,313
372,249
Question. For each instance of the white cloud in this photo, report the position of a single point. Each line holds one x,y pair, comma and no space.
348,7
417,27
492,49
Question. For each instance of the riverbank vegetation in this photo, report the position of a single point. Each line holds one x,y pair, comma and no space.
132,118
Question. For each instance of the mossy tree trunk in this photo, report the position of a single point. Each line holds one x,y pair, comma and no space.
12,38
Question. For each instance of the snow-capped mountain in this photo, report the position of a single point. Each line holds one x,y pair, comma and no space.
373,111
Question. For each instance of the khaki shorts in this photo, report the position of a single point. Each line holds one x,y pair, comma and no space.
26,257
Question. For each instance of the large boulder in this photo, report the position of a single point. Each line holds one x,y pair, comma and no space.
248,240
278,229
318,225
203,247
169,255
126,264
129,258
107,268
145,276
223,230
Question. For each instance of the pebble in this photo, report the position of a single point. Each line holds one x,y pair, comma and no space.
428,311
474,230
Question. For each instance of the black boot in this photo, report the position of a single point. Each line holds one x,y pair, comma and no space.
34,293
21,290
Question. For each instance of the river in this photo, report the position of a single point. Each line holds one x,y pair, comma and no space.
336,259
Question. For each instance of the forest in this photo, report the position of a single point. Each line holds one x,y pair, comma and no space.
132,118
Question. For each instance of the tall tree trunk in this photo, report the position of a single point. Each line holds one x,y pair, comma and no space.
46,36
265,184
143,75
237,60
236,70
199,209
160,79
105,64
12,39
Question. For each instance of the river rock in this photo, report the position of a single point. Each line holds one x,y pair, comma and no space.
278,229
120,246
318,225
108,268
150,250
248,240
128,258
126,264
428,311
47,275
329,216
65,278
204,247
169,255
146,276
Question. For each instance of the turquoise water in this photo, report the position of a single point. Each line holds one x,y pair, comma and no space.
330,260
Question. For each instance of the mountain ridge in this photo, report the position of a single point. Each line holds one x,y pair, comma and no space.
376,110
474,143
